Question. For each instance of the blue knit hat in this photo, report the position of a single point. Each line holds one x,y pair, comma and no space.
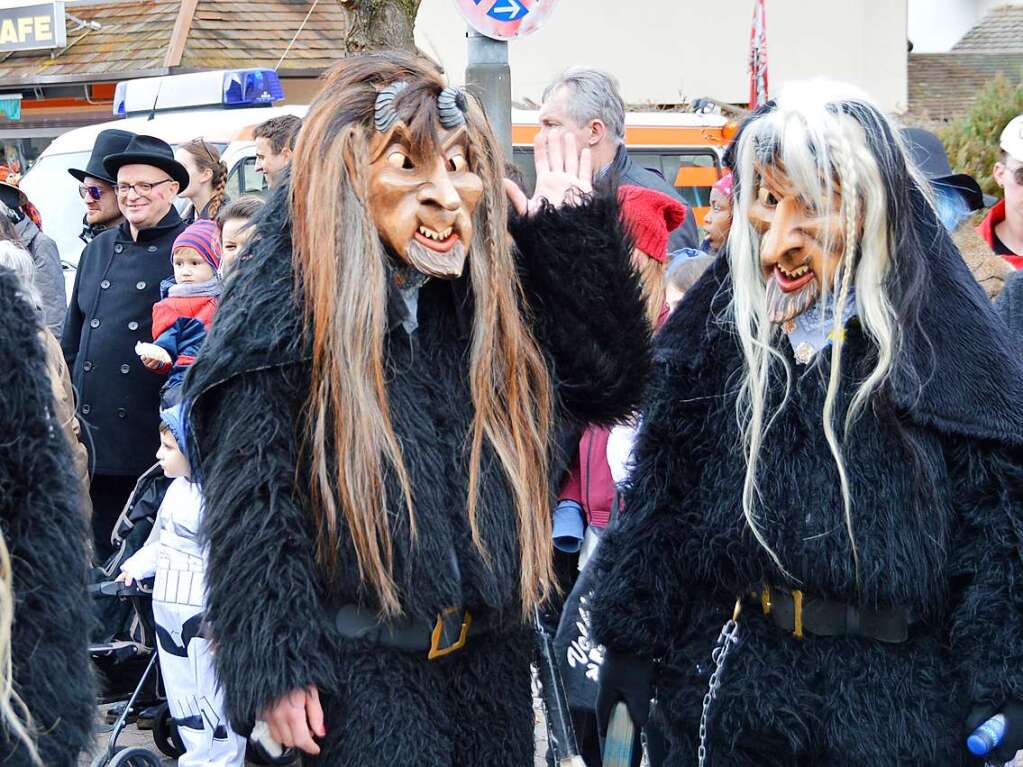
176,421
204,238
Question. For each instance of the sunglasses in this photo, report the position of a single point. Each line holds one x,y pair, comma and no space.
205,147
94,192
1017,174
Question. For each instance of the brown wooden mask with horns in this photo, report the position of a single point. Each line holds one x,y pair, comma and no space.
422,198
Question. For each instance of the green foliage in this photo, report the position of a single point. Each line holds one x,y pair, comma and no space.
972,140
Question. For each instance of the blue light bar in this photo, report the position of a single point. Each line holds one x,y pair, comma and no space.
252,87
120,99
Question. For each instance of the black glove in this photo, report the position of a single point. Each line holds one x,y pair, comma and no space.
1012,710
628,678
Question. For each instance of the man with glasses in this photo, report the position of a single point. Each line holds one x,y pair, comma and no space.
111,310
1003,227
96,187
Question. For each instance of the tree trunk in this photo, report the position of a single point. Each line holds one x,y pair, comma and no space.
380,24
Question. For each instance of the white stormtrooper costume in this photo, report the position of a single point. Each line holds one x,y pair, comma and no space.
173,554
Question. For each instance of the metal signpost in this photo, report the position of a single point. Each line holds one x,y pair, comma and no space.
32,26
492,23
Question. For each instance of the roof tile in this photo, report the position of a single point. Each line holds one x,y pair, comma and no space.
134,36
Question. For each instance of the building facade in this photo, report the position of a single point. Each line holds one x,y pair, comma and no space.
666,52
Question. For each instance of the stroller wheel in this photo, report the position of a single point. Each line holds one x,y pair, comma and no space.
165,734
134,757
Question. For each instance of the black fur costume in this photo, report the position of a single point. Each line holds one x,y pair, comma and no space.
47,539
271,609
936,481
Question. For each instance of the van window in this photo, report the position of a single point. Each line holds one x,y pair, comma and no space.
522,156
694,174
243,179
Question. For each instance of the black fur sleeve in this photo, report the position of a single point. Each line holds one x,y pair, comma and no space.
641,592
46,535
647,562
987,571
264,599
586,306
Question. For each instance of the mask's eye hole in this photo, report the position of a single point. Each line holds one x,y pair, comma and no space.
401,160
766,197
457,163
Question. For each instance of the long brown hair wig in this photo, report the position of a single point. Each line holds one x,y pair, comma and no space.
342,279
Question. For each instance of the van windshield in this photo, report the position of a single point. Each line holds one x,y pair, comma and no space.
50,187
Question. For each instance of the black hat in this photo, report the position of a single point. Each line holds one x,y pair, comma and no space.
11,196
108,142
148,150
930,156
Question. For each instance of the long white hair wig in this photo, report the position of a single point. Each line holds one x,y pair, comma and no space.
826,138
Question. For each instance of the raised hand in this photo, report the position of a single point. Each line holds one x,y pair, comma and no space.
563,173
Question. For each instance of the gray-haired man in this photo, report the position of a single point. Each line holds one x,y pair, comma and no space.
587,103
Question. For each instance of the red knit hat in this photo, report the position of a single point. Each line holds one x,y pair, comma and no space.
204,238
650,216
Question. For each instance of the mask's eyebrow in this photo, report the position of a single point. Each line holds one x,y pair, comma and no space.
458,136
399,134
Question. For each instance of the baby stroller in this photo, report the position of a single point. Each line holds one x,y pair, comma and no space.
124,644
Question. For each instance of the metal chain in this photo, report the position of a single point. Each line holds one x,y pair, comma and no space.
728,638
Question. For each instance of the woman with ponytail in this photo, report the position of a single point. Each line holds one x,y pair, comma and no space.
820,541
46,687
207,188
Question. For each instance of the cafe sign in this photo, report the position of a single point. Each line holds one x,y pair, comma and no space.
32,26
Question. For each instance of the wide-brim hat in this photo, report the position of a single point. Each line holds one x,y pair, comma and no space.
928,152
108,142
12,196
148,150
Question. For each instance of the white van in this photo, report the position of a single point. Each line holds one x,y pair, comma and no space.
182,109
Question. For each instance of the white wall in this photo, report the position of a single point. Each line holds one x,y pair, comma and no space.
668,51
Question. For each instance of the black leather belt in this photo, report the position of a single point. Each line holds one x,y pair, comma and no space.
801,614
447,635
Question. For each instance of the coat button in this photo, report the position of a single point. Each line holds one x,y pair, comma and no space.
125,369
94,323
87,366
118,249
152,248
122,413
133,325
140,285
86,409
105,284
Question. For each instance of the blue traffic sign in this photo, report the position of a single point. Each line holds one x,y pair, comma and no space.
505,19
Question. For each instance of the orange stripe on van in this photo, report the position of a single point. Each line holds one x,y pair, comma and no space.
697,175
640,136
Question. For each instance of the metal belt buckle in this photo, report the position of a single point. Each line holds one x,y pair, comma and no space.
436,651
797,614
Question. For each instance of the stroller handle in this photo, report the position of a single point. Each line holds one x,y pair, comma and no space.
115,589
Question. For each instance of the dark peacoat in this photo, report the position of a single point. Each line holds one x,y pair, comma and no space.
111,309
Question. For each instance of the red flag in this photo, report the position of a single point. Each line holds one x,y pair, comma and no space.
758,56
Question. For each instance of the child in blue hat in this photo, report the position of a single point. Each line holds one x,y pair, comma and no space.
175,556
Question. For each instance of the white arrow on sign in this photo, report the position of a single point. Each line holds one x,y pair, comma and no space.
511,10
